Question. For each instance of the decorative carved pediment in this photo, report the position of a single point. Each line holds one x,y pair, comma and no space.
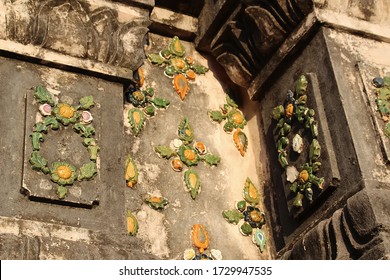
252,33
80,28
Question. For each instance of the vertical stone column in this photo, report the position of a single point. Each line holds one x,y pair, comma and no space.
340,46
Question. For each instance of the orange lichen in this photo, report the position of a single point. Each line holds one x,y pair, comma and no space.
189,154
136,117
138,95
155,199
200,147
180,84
200,237
178,63
237,141
192,179
303,176
130,174
256,216
177,164
189,59
238,118
191,75
289,110
66,111
141,77
64,172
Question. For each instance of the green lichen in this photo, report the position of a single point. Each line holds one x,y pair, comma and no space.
87,102
191,179
43,96
38,162
164,151
87,171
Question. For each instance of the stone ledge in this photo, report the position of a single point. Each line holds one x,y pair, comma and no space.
28,239
169,23
353,25
47,57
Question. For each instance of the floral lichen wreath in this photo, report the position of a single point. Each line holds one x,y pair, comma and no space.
55,116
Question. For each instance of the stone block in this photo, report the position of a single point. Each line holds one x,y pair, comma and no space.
97,31
313,246
170,23
16,86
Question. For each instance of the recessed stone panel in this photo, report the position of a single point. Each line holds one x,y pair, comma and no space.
18,80
328,169
61,145
368,73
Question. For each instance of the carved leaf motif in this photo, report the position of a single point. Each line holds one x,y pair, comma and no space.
87,171
160,102
241,141
38,162
43,96
155,58
298,200
40,127
191,178
185,131
232,216
87,102
156,202
301,87
199,69
164,151
131,174
259,239
217,116
84,130
132,224
212,159
137,120
176,47
62,191
180,84
37,137
50,120
200,237
250,193
231,102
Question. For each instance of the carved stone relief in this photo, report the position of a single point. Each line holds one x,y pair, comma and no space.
92,30
253,32
352,232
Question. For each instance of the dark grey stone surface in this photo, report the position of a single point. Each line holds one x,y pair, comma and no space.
341,236
17,80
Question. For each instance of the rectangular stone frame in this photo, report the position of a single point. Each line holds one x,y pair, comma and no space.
20,78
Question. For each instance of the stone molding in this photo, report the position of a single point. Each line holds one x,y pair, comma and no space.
99,31
251,38
356,231
22,239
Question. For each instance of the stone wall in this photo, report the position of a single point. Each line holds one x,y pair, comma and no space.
339,46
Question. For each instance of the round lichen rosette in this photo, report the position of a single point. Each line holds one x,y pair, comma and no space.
178,66
144,101
63,173
66,113
293,116
188,155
